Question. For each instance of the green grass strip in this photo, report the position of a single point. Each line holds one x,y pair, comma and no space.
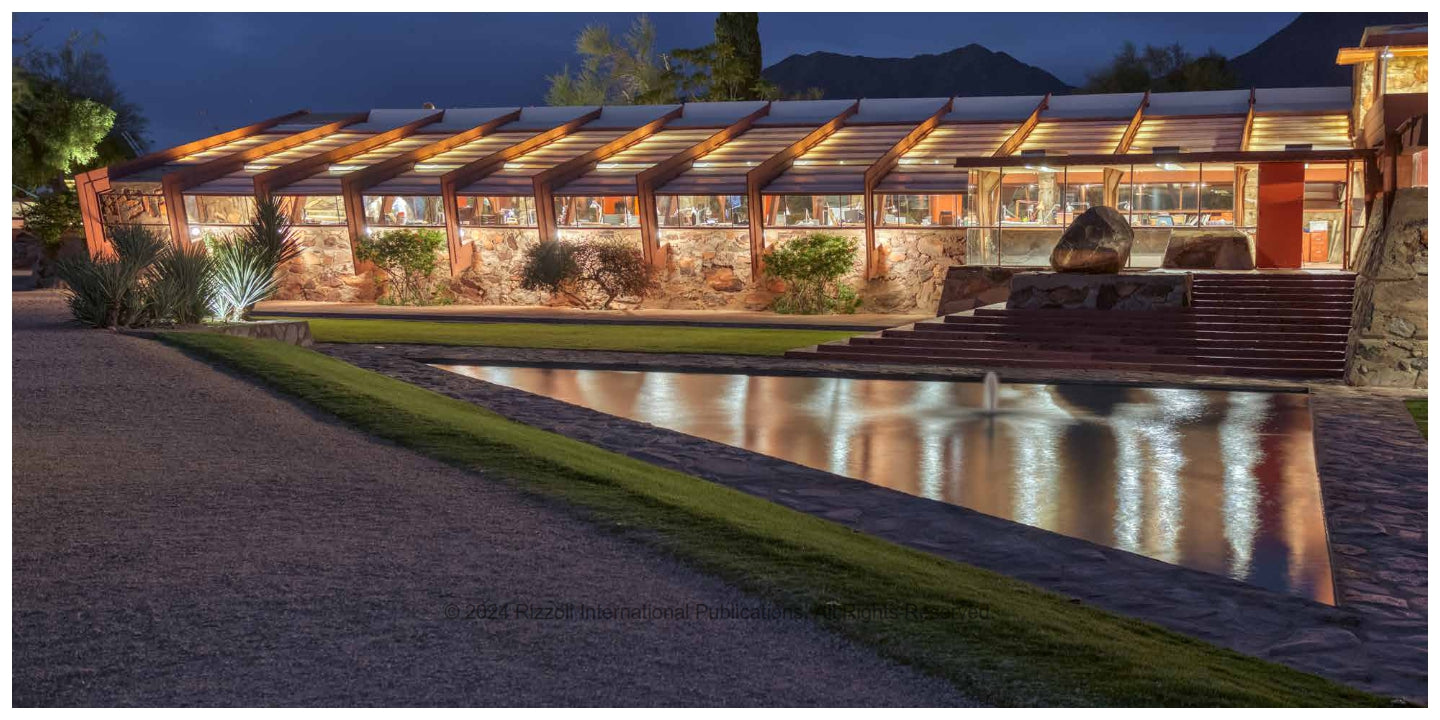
1009,643
1420,410
573,336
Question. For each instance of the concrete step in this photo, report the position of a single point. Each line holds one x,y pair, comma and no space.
1332,351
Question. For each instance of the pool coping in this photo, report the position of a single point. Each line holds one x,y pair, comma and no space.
1373,486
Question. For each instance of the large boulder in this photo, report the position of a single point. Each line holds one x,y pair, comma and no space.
967,287
1098,241
1208,249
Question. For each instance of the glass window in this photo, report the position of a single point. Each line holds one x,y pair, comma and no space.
595,210
316,209
1092,186
397,210
815,210
695,210
1324,213
925,210
491,210
1217,194
1031,196
1166,195
219,209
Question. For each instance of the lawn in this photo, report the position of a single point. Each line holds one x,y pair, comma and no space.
1419,409
1000,641
573,336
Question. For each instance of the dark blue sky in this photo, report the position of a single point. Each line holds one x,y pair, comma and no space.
195,74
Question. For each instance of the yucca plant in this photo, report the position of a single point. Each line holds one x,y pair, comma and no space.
246,261
182,285
108,291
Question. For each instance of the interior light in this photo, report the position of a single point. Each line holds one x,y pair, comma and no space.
342,169
258,167
434,167
1169,166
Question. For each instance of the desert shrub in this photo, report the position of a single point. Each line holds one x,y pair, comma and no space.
550,265
51,218
408,259
245,262
109,291
811,267
614,268
181,287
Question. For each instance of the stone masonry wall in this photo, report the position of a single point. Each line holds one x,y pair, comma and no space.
910,265
1389,332
706,268
325,269
493,277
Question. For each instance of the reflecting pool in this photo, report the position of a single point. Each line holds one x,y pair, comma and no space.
1223,482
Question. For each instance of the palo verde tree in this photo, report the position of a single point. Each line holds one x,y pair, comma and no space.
615,71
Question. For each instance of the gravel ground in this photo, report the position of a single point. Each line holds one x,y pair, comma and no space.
183,537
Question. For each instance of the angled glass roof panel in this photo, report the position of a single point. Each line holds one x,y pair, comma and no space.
714,114
155,174
1210,102
722,170
1320,132
888,111
930,165
1075,137
312,120
615,175
838,163
1190,134
424,178
1092,107
328,180
241,182
1318,100
813,113
515,177
993,109
458,120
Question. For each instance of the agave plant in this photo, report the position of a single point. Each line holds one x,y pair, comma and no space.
182,286
108,291
246,262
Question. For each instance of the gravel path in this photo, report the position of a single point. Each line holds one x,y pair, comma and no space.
183,537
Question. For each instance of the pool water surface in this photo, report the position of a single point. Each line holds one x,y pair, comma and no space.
1219,481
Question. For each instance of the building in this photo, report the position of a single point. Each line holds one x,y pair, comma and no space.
704,188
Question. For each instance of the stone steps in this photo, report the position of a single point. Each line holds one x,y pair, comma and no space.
1250,325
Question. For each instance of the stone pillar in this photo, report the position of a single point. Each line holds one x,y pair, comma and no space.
1389,329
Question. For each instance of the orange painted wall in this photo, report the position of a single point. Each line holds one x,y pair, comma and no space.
1279,241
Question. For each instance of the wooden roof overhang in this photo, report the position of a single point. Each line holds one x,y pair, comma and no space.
174,184
89,185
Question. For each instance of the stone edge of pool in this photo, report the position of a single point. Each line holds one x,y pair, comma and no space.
1376,521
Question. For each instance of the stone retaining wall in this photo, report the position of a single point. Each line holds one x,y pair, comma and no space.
1389,331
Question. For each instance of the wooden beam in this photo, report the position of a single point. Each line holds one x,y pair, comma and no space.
546,181
666,170
1017,138
1133,128
88,186
762,174
155,159
882,167
271,180
451,182
1249,122
174,184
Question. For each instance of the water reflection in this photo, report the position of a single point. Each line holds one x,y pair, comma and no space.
1223,482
